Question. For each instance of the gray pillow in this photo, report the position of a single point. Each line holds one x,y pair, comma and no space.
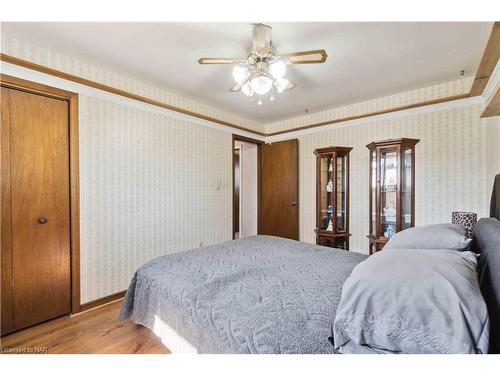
413,301
435,236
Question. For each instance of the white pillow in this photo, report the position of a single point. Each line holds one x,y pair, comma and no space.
435,236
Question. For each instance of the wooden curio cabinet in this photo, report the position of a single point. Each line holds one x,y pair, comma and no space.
391,189
332,197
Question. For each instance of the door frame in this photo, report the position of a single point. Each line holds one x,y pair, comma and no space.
74,186
241,138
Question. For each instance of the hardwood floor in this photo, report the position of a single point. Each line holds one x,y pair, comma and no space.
96,331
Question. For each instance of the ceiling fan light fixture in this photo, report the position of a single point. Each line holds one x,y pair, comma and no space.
281,84
277,69
247,89
240,74
262,72
261,84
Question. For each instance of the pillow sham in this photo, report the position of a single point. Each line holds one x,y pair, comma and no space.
412,301
434,236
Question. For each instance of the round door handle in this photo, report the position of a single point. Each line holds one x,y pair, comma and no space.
42,220
294,204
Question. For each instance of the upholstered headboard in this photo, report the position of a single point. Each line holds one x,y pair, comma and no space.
487,244
495,198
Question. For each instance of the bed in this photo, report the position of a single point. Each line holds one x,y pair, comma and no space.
260,294
265,294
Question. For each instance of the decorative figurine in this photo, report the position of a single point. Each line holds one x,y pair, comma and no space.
391,231
330,168
329,186
330,225
389,212
329,210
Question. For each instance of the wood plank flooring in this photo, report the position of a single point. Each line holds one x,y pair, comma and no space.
96,331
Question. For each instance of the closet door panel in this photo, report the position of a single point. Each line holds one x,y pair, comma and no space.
39,144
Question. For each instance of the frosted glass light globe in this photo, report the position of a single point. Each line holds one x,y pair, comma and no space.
240,74
281,84
261,84
278,69
247,89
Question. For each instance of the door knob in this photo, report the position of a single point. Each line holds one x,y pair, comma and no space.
294,204
42,220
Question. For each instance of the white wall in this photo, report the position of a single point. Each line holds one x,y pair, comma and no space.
248,189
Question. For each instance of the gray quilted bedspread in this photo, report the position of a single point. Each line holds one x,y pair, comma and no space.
259,294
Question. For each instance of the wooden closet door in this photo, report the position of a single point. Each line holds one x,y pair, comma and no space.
40,207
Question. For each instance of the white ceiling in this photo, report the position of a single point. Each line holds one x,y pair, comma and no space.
365,60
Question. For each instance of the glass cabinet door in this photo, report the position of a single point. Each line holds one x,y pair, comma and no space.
392,189
341,198
388,190
373,192
326,192
406,188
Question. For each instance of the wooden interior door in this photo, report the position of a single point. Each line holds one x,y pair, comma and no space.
236,195
279,189
35,209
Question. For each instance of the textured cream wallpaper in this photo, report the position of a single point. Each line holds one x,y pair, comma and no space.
451,173
149,186
457,87
43,56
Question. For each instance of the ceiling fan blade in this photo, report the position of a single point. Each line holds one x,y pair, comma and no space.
291,85
305,57
220,60
238,86
261,37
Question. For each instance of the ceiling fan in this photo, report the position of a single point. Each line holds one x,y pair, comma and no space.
263,70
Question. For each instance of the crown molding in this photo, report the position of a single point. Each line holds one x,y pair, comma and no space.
488,62
52,77
371,114
492,84
112,90
119,97
492,107
452,102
